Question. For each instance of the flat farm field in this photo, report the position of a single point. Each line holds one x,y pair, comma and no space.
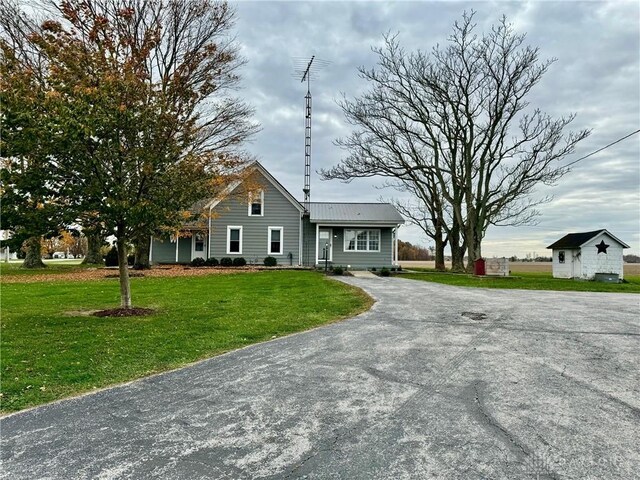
518,267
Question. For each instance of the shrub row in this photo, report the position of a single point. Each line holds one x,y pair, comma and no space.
392,269
229,262
111,258
384,271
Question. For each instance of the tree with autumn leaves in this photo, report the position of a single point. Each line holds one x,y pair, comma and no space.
137,119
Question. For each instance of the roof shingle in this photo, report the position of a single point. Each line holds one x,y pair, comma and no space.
576,240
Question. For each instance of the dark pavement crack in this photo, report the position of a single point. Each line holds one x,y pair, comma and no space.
634,410
390,377
530,460
510,328
330,446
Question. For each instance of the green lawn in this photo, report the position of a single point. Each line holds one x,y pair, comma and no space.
526,281
14,268
51,350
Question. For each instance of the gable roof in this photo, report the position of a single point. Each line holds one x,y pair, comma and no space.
354,213
577,240
257,166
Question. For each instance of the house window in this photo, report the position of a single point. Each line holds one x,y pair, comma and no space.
234,239
256,204
561,256
362,240
198,242
275,240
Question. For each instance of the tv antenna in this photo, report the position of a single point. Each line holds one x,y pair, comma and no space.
306,70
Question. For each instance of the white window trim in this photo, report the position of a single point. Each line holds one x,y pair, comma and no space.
229,228
269,230
193,245
345,242
261,203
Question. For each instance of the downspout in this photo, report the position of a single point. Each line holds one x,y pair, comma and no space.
315,260
177,241
396,246
209,234
151,251
300,240
393,239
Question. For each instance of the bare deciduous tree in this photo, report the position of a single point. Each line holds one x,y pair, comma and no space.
426,210
459,114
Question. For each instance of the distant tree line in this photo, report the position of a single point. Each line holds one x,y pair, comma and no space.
407,251
631,258
530,258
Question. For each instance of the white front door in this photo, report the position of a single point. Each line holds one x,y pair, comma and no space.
198,245
325,245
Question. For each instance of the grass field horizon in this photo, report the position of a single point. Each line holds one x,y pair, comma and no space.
515,267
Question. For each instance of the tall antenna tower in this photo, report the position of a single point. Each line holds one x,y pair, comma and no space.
306,74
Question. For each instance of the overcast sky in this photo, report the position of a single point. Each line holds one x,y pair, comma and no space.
597,76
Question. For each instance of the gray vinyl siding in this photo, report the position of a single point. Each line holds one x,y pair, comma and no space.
164,250
278,212
362,260
357,260
308,243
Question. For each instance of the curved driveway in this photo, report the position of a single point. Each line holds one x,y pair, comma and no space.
433,382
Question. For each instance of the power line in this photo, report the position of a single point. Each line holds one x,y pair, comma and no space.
601,149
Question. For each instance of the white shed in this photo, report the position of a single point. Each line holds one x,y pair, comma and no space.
582,255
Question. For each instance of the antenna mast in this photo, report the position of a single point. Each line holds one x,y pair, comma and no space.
305,70
307,136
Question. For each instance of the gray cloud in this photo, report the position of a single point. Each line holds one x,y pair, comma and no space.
596,75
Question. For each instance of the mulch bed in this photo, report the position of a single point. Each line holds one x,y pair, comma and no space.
85,274
124,312
131,275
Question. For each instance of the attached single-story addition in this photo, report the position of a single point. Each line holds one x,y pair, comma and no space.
360,235
584,254
273,223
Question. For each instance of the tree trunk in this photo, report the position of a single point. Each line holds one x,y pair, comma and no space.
125,286
457,251
142,247
34,254
473,239
439,251
94,243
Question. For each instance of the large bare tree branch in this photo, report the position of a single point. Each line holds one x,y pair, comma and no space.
459,114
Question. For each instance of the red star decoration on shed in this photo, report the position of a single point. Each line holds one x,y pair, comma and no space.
602,247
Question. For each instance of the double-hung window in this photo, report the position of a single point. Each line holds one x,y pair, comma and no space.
234,239
256,204
362,240
275,235
198,243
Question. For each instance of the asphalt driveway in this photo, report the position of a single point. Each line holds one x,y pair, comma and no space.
434,382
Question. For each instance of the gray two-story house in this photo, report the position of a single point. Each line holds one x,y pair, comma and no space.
273,223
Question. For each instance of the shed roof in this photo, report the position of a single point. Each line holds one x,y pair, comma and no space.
354,213
577,240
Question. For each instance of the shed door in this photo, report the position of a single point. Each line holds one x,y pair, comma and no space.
325,245
576,264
